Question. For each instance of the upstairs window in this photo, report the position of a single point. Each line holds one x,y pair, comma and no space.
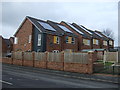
86,42
56,39
39,39
16,40
30,37
95,41
73,40
70,40
105,43
110,43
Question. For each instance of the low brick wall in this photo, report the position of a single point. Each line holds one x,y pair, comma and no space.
55,65
28,63
17,62
56,61
77,67
7,60
40,64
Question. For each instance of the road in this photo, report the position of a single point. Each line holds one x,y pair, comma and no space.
20,77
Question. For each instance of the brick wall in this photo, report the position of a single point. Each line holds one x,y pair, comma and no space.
7,60
23,37
65,45
18,62
59,65
50,46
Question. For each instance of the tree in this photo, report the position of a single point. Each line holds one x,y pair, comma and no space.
108,32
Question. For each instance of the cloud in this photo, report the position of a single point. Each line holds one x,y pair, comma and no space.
94,15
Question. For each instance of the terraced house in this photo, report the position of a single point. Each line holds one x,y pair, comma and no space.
40,36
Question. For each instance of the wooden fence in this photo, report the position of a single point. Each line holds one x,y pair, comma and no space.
76,58
111,56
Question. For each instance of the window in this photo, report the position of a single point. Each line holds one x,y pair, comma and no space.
70,40
56,39
16,40
110,43
86,42
30,37
39,39
105,43
95,41
66,39
73,40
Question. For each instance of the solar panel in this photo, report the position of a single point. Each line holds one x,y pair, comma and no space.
46,26
64,28
75,28
86,30
98,34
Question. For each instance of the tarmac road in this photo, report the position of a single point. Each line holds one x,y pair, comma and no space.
21,77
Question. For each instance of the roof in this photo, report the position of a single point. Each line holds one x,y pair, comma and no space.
47,27
103,35
82,29
61,28
75,29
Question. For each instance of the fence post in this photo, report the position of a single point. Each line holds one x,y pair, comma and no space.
104,58
46,57
12,57
91,59
22,58
62,58
33,58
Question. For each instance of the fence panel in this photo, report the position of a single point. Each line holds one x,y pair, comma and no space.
76,58
17,55
100,56
111,56
28,56
54,57
40,56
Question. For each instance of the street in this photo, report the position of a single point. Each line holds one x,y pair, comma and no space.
21,77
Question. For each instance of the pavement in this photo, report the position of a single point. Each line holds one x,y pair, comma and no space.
14,76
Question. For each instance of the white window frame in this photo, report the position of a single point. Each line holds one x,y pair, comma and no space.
105,43
58,39
110,42
73,40
30,37
16,40
66,39
39,40
97,41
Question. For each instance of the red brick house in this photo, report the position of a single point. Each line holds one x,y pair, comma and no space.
69,39
38,35
94,39
107,42
83,38
7,45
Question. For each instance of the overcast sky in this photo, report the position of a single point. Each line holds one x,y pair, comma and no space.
93,15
